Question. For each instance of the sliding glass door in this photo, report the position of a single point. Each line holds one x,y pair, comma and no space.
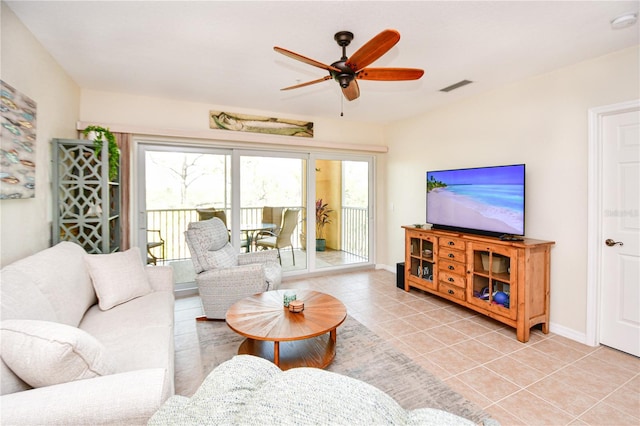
273,205
271,200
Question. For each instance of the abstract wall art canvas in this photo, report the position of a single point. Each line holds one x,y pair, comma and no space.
258,124
17,144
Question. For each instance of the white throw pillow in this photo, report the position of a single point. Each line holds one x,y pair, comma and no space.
44,353
117,277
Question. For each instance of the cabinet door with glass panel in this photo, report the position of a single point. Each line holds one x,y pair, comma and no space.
422,268
492,274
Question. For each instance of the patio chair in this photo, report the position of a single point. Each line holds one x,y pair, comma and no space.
223,275
205,214
154,240
283,238
272,215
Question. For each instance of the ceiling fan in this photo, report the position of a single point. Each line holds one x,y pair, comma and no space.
349,69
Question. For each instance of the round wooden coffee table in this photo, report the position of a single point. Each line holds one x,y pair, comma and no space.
304,339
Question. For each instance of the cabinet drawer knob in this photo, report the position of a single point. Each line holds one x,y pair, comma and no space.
451,280
451,268
451,292
451,255
451,243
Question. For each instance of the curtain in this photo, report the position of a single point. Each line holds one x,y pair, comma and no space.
124,143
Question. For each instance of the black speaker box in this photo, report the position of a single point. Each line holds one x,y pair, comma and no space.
400,275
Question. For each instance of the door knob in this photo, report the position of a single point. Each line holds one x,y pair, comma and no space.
612,243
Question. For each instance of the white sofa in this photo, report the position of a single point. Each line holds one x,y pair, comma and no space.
86,339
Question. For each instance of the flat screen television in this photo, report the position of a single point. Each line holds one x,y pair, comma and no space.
482,200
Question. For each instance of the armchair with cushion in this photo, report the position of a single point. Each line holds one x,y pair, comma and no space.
223,275
206,214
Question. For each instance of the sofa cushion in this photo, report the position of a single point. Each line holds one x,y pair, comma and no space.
9,381
22,297
137,334
44,353
51,285
117,277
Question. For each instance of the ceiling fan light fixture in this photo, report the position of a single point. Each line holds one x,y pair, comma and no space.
344,80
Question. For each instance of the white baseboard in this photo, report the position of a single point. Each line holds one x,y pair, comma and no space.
185,289
386,268
569,333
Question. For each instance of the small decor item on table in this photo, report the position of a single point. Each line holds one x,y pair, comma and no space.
296,306
289,296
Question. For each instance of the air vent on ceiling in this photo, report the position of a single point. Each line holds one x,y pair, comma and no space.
456,85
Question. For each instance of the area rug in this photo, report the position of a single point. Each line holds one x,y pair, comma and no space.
363,355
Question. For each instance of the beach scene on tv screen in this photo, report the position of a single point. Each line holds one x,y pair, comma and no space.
487,199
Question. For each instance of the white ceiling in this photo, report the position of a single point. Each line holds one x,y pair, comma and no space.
221,52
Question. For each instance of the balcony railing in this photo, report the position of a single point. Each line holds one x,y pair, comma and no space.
355,231
173,222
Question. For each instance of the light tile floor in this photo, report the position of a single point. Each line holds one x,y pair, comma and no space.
550,380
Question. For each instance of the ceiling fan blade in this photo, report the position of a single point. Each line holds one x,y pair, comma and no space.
390,74
305,59
352,91
373,49
308,83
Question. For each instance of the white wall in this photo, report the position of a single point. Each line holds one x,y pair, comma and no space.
109,108
25,225
173,114
541,122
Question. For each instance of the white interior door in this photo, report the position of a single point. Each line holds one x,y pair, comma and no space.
620,277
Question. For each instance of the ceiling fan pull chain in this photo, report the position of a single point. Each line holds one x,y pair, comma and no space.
341,106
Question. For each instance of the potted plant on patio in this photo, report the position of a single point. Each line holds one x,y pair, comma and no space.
322,219
99,135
